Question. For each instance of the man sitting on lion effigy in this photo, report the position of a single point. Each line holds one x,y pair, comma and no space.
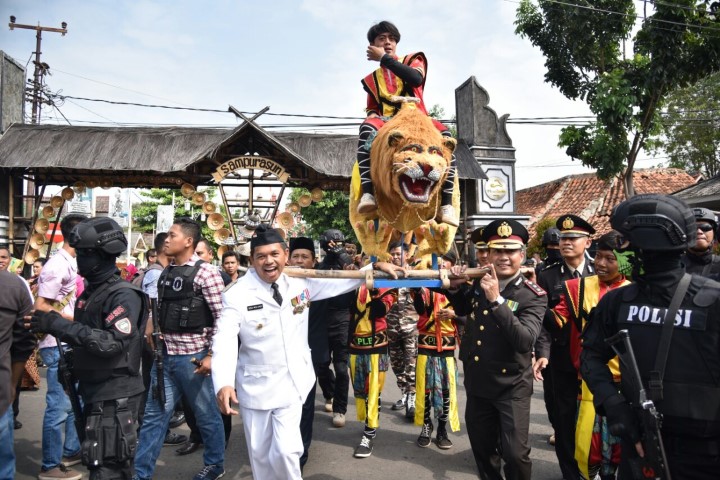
396,77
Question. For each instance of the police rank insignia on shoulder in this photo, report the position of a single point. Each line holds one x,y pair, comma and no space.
124,326
536,289
301,302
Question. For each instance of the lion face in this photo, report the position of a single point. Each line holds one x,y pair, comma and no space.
419,168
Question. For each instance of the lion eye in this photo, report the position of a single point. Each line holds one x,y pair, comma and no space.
434,151
413,148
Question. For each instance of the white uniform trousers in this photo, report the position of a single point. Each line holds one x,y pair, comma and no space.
274,442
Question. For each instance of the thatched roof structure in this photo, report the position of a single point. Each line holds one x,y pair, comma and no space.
169,156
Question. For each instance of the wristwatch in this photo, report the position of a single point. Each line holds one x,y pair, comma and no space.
498,301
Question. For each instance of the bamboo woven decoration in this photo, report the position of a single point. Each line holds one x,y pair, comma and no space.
56,201
221,235
215,221
79,187
67,193
37,240
294,207
305,200
31,256
48,211
316,194
42,225
187,190
285,220
209,207
198,198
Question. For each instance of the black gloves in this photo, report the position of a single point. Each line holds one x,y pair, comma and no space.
377,309
47,322
621,419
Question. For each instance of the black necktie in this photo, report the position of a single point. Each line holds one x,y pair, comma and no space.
276,293
576,274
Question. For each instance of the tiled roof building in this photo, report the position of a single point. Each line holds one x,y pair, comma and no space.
593,199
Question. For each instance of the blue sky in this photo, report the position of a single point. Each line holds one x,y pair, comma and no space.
302,57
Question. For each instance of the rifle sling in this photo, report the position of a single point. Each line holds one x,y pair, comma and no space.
655,384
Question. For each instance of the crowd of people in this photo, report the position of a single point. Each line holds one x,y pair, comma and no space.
132,354
259,342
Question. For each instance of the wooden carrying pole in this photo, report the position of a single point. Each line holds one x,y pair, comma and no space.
370,275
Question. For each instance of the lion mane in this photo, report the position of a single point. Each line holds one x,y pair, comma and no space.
410,160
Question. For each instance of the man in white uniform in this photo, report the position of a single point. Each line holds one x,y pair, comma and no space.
272,371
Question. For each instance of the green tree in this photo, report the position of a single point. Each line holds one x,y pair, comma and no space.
330,212
438,113
691,127
145,213
584,46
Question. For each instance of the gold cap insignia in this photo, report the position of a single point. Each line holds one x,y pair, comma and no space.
568,223
504,230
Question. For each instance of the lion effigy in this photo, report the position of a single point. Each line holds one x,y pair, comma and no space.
410,160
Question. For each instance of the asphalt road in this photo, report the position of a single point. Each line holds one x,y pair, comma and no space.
395,456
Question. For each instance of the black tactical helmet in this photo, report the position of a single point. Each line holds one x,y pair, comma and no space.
705,214
655,222
334,236
551,237
99,233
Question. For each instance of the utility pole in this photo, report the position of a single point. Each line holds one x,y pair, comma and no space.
40,68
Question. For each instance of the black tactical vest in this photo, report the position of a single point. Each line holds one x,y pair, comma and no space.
91,368
182,309
691,381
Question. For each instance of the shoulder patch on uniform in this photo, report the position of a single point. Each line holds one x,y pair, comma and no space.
536,289
119,310
124,326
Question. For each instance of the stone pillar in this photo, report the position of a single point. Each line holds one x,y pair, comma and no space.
479,127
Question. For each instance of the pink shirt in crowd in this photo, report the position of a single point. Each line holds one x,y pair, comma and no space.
58,278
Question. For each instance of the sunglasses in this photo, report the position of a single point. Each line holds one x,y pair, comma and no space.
705,227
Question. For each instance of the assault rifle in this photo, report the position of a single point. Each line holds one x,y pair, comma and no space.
66,379
159,388
654,465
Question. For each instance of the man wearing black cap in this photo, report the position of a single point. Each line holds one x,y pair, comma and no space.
273,369
481,248
561,384
678,365
496,351
302,255
699,258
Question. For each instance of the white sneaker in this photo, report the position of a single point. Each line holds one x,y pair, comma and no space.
328,405
447,215
338,420
367,204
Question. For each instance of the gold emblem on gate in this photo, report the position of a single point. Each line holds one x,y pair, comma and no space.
504,230
568,223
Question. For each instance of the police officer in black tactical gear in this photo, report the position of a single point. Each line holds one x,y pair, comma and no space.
107,340
699,258
336,312
686,387
551,244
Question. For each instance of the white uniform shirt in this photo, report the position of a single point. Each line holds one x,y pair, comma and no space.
273,368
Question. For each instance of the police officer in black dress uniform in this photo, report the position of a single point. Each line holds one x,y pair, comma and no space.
659,229
496,350
561,384
107,340
699,259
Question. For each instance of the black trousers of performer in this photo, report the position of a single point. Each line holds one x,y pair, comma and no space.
306,425
565,386
191,421
336,385
548,396
111,469
508,420
689,459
